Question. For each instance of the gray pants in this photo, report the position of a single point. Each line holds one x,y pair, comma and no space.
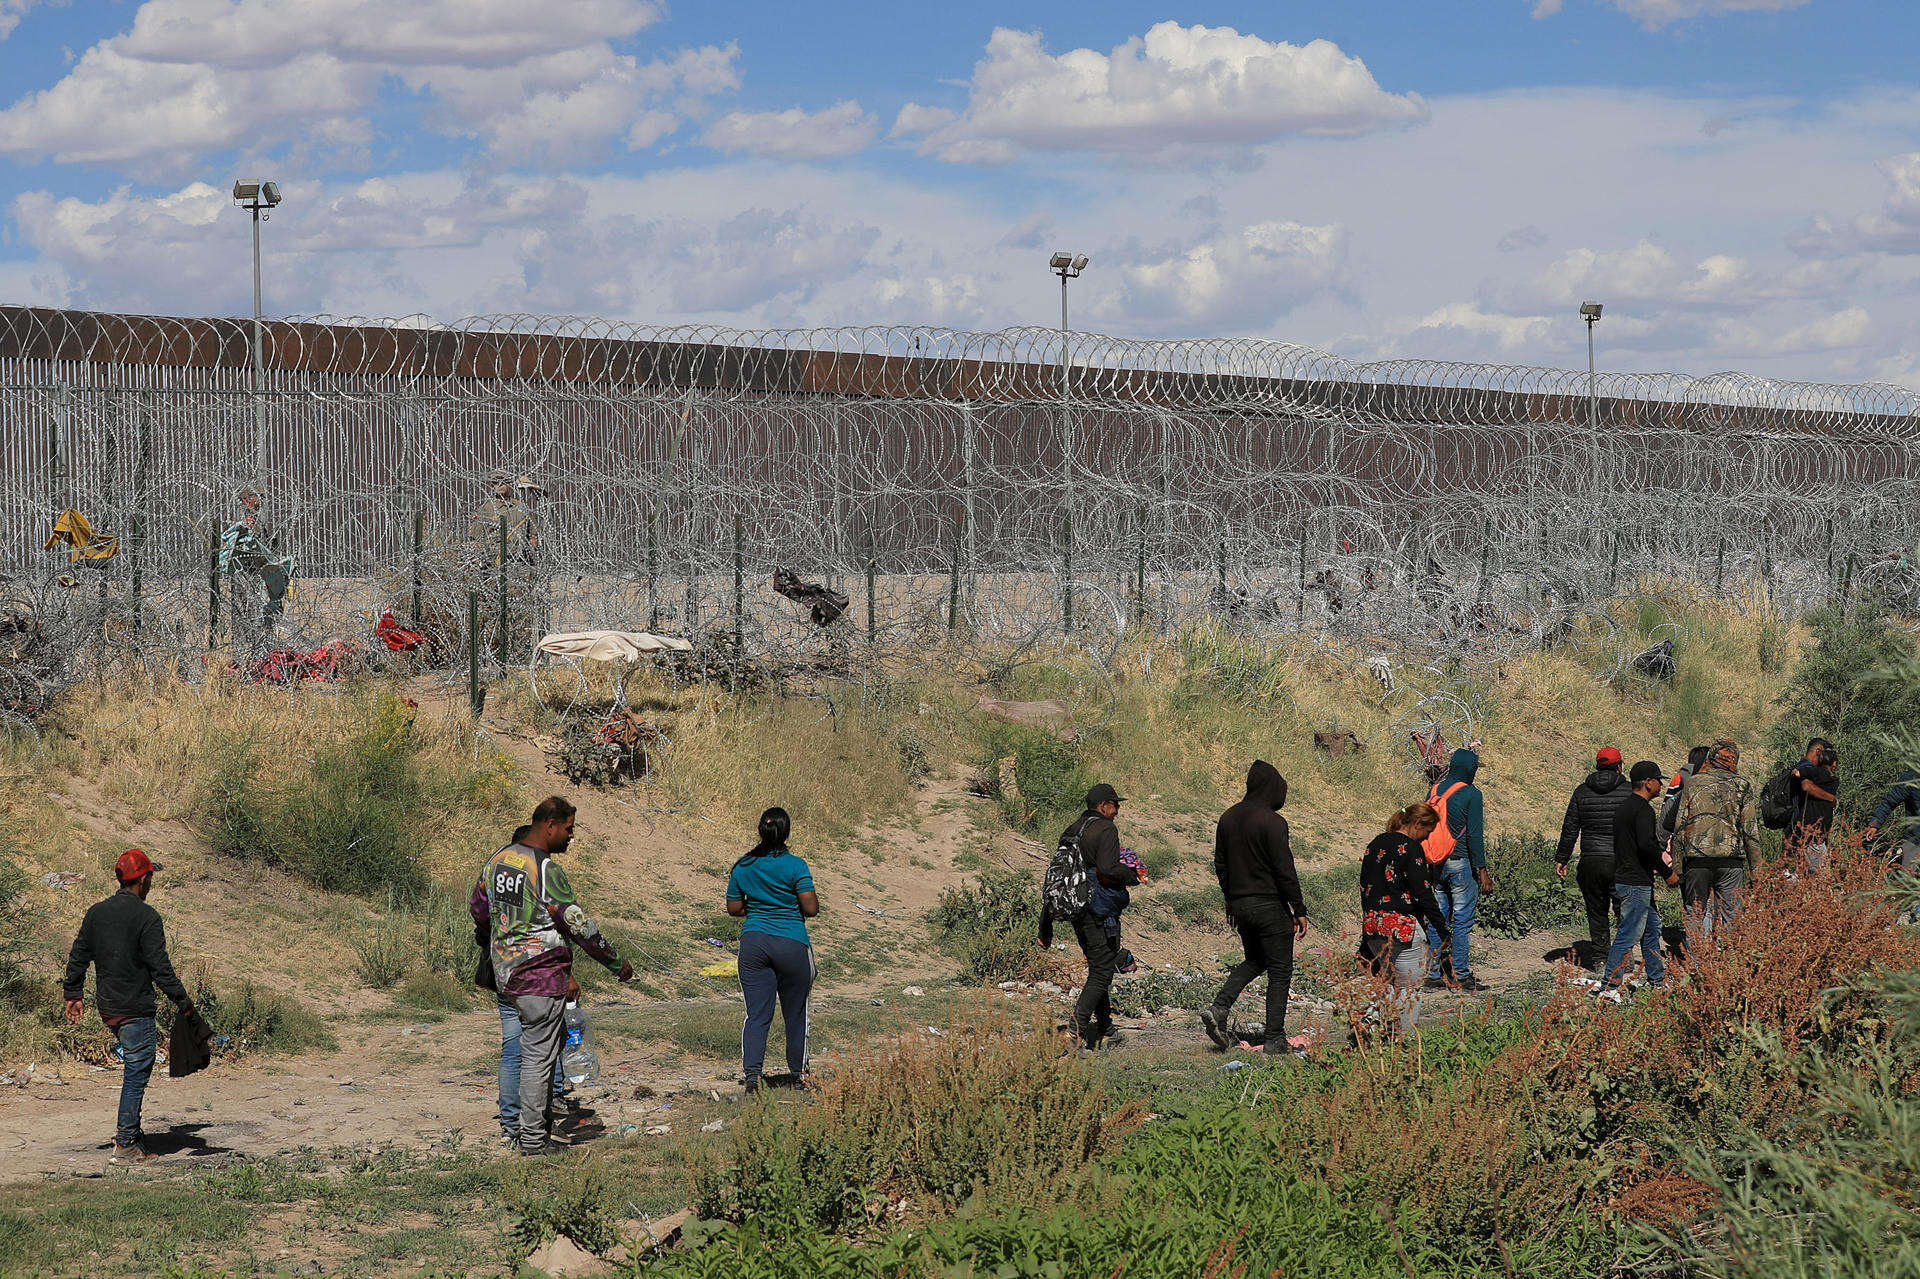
543,1024
1713,892
1407,962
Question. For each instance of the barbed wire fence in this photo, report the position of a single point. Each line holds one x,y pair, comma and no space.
1021,492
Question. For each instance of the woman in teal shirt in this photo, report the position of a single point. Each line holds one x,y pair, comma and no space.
772,890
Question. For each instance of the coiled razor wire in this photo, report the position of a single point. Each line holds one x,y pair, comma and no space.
1022,494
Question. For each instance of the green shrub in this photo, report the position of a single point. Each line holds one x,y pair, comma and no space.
245,1018
1332,896
1194,907
990,924
356,819
547,1198
998,1104
1528,895
1050,776
1139,996
1856,686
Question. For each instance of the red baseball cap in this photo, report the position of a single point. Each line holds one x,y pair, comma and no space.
1608,755
133,864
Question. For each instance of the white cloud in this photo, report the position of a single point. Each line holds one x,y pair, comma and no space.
11,11
1175,88
841,129
1895,228
1654,14
1241,280
1521,238
1462,326
533,80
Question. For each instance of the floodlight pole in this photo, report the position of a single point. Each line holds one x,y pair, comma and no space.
1593,380
259,360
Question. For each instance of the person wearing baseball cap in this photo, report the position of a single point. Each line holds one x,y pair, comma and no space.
1099,842
1589,823
125,942
1640,859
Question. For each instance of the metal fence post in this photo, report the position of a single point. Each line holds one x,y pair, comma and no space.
872,569
213,596
653,572
473,653
739,584
500,601
1066,573
419,542
953,586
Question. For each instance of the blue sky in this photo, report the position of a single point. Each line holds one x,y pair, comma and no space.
1738,179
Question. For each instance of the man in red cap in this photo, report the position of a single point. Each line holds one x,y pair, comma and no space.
124,940
1589,822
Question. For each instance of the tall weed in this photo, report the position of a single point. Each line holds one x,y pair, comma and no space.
997,1104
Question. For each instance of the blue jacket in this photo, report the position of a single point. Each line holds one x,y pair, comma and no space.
1466,811
1903,798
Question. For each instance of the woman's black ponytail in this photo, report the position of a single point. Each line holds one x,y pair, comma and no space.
775,826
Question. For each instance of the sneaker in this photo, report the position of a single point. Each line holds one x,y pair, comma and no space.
1112,1039
1471,984
535,1152
1216,1021
131,1153
755,1083
1612,994
1586,981
1434,983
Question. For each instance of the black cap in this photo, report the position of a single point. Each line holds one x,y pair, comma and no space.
1102,794
1645,771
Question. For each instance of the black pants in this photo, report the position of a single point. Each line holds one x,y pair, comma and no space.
1266,935
1595,877
1093,1013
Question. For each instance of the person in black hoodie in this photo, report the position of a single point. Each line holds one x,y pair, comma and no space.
1100,850
1589,822
1253,858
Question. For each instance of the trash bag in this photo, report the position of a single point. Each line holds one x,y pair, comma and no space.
824,605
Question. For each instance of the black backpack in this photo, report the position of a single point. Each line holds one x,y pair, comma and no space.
1776,800
1068,885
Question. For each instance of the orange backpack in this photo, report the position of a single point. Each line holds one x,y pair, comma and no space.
1440,845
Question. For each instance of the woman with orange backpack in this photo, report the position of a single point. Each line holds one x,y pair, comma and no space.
1456,857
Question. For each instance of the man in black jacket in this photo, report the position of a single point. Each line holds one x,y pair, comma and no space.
1589,822
1253,858
1640,859
124,940
1100,850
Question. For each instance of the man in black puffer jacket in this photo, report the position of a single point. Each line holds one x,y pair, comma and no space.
1589,821
1253,858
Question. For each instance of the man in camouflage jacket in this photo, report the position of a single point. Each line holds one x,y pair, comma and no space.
1715,837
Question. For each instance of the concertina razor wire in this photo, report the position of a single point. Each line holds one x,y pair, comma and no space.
1010,493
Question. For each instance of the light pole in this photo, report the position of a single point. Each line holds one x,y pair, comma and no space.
1067,266
257,197
1590,312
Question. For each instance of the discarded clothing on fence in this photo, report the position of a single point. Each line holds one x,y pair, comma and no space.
825,605
1433,752
330,661
610,646
76,530
395,636
1657,662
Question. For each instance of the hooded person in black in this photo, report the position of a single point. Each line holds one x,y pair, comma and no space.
1253,859
1589,823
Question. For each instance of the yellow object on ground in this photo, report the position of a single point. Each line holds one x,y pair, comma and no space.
76,530
726,968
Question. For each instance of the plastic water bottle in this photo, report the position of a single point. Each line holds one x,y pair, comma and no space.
578,1061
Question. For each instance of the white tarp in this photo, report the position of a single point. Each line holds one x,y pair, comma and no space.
611,646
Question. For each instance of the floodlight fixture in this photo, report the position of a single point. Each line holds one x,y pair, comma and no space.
1591,310
1060,261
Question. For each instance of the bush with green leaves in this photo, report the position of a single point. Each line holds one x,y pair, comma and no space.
990,924
1855,686
1528,896
1050,777
354,819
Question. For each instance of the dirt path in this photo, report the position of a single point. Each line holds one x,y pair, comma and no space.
422,1086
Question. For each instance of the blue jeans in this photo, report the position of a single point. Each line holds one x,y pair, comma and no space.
1457,888
1639,922
138,1040
510,1070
